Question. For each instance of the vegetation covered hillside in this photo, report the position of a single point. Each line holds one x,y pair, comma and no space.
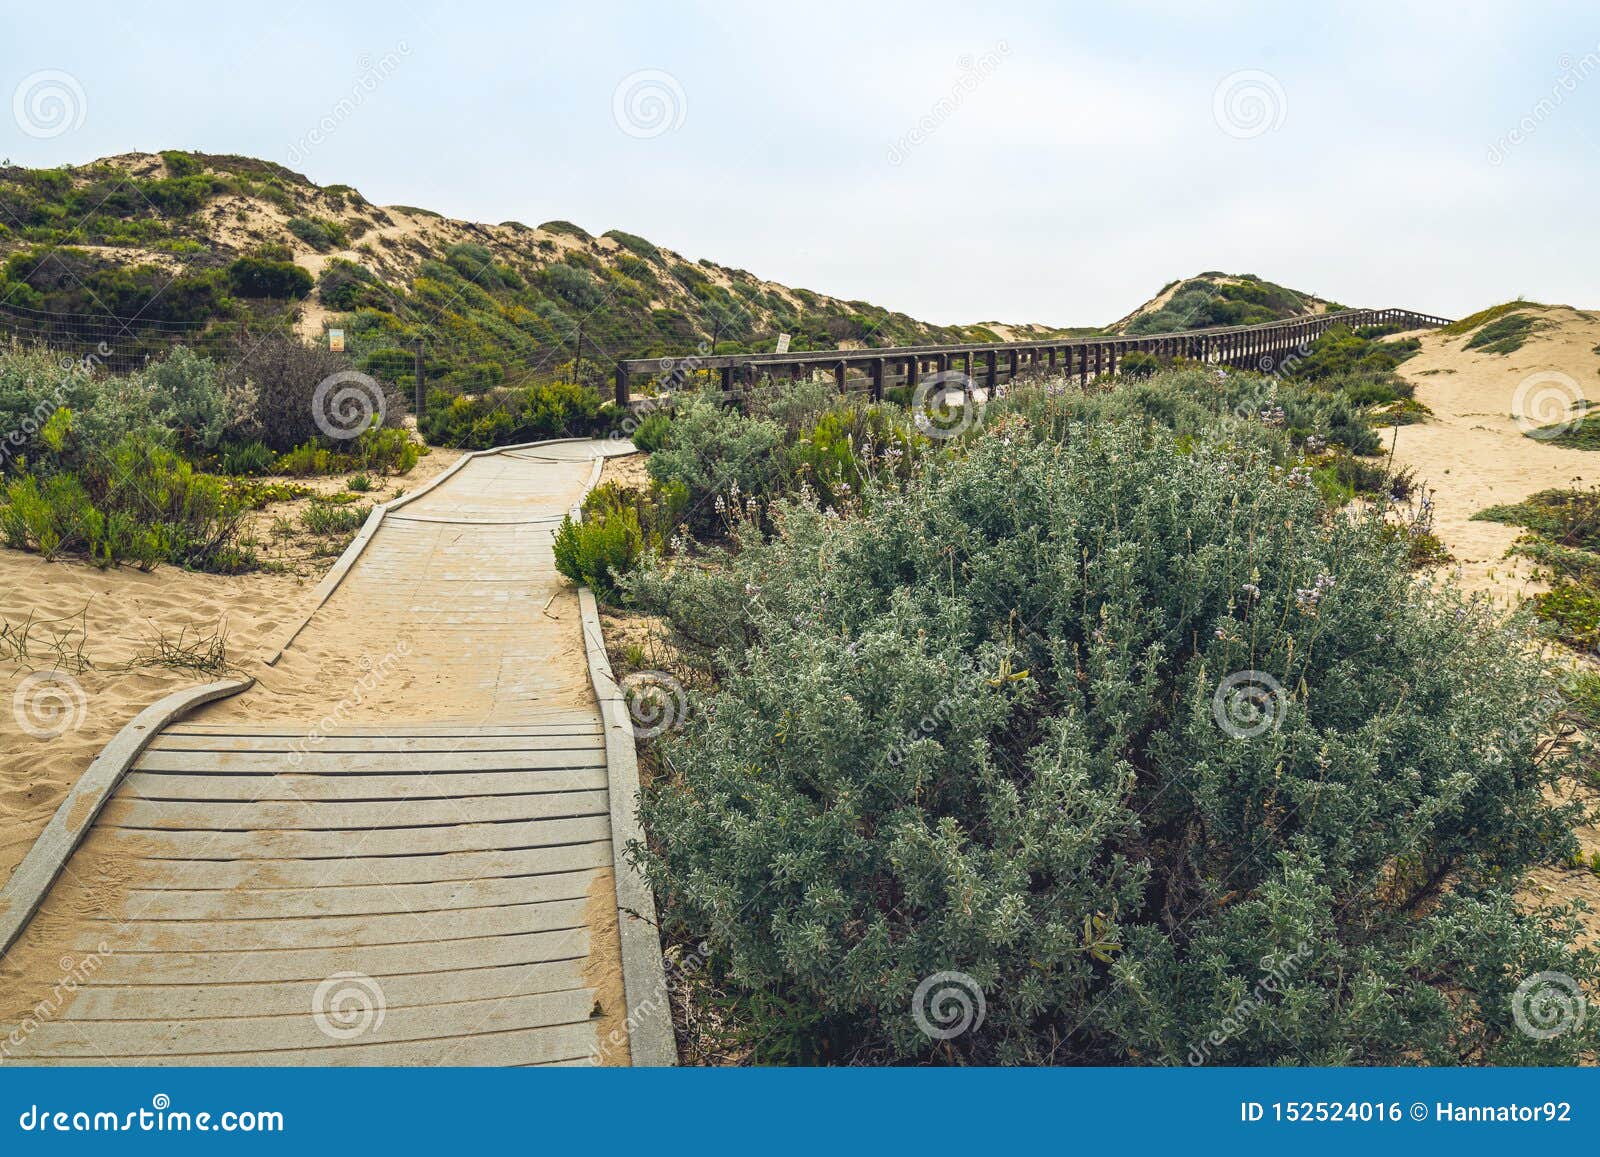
196,245
1213,298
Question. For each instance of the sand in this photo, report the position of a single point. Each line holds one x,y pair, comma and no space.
113,615
1473,454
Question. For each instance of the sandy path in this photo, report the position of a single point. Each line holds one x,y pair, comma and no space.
1473,454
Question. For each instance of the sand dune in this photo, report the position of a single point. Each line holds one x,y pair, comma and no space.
1473,451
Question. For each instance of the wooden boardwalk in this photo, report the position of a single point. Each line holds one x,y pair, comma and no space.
394,889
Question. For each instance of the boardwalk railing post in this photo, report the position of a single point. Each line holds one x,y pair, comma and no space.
623,398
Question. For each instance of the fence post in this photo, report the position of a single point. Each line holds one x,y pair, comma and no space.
421,383
622,384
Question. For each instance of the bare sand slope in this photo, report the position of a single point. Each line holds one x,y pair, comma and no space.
1473,452
55,717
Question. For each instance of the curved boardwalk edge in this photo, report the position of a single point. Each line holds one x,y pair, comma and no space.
342,565
31,881
644,977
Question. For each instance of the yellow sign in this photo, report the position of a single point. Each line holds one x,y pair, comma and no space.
336,340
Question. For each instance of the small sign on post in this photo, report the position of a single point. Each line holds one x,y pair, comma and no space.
783,344
336,340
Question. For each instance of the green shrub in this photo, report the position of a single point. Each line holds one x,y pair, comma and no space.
979,728
346,286
596,553
140,502
620,525
529,414
247,458
653,432
1572,610
320,233
254,277
326,518
850,445
1503,335
1138,364
720,454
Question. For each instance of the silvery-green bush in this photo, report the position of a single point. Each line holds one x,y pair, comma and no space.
1173,763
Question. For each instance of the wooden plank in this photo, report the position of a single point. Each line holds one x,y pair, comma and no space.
556,722
438,785
278,998
369,762
445,956
356,900
283,743
345,844
354,870
525,1046
129,811
222,936
301,1031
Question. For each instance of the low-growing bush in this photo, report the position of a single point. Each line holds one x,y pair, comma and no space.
619,525
528,414
719,454
333,518
247,458
140,503
596,552
1503,335
283,374
850,445
1104,725
653,431
257,277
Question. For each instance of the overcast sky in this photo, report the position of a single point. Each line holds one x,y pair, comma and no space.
961,162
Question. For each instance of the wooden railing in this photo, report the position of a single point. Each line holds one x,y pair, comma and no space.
1263,347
